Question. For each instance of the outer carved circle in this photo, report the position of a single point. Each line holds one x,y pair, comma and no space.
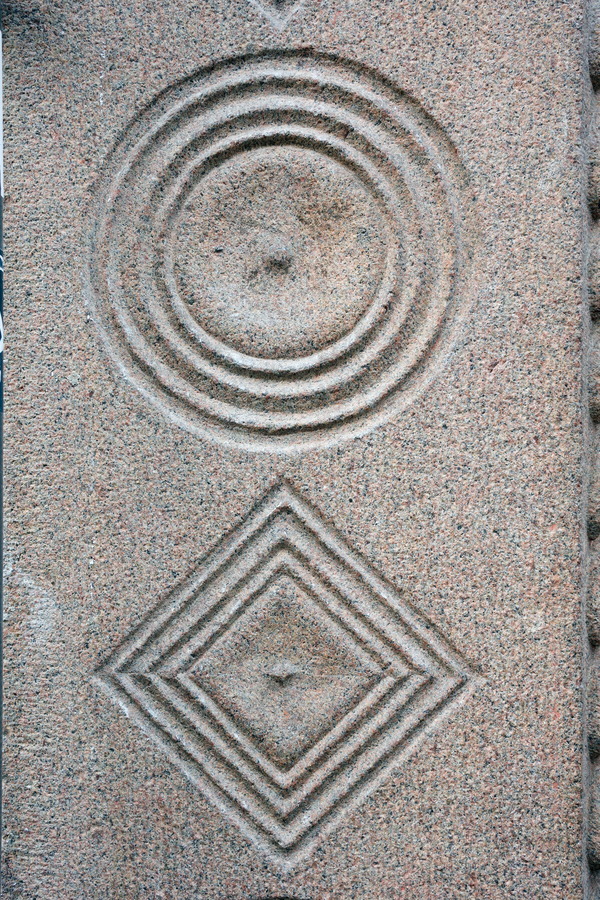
281,253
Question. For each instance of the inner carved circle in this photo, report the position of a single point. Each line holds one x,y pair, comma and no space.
279,252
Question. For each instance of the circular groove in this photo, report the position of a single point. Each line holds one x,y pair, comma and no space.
285,103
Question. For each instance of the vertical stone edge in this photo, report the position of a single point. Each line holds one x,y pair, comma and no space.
1,454
591,458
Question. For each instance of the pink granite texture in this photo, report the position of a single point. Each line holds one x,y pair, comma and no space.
591,557
296,451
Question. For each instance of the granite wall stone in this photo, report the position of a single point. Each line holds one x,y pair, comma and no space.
302,501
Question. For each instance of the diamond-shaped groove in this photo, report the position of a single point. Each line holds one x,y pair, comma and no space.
285,678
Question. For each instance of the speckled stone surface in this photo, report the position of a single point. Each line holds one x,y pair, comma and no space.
294,450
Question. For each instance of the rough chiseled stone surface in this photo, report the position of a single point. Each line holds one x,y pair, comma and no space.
296,454
591,560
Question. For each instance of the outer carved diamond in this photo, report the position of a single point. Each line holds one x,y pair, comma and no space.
285,678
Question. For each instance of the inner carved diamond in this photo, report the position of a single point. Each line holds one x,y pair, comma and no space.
285,671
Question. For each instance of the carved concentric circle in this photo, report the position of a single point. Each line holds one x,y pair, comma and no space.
281,254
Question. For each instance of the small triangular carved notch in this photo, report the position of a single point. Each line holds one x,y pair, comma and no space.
278,12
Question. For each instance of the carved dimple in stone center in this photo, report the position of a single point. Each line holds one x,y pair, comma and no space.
279,252
282,672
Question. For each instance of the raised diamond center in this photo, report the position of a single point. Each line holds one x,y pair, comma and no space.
285,671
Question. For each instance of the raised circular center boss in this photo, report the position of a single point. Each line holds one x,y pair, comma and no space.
279,252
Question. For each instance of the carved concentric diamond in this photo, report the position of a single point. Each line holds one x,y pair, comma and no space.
286,678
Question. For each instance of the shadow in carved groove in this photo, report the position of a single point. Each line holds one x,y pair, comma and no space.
281,256
286,678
